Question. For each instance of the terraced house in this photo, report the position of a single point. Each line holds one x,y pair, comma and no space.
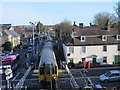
92,44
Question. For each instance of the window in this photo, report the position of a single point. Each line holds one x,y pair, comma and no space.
83,59
104,59
94,60
83,49
71,60
71,49
82,38
118,47
105,48
104,38
118,37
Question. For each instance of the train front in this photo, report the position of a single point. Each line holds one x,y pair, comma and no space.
48,68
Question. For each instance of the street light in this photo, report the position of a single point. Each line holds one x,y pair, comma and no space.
33,39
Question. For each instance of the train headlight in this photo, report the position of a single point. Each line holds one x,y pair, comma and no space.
54,77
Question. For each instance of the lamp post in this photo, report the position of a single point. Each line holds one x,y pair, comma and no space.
33,40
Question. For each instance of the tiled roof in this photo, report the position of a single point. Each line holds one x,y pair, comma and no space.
11,32
93,37
95,31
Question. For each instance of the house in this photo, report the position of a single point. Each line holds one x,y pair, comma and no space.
92,44
10,35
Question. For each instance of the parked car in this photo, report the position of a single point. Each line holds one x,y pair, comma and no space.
29,50
25,45
113,75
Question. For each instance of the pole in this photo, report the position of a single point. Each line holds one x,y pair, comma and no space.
8,84
50,76
33,41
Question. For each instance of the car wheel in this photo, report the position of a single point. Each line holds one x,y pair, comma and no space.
105,81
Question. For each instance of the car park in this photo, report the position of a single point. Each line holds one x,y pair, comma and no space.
113,75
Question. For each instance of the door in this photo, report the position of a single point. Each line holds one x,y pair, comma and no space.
112,77
117,59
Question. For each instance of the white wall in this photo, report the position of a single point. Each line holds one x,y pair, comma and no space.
92,50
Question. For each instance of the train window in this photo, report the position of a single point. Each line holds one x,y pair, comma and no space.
54,70
48,70
42,70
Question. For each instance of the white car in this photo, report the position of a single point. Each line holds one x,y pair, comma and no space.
113,75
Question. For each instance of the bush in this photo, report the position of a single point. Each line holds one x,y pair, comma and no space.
8,46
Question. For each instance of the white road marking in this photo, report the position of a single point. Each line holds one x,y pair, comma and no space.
78,78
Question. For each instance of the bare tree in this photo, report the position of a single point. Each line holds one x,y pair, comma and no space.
39,27
63,29
118,13
101,19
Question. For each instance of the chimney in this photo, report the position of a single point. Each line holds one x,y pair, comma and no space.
80,25
74,23
90,24
107,25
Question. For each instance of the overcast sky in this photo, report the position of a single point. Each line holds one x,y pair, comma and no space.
50,13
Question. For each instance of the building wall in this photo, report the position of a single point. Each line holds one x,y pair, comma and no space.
91,50
14,40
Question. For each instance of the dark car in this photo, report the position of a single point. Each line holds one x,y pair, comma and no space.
25,45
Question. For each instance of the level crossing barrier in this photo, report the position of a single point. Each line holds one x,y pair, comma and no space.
73,82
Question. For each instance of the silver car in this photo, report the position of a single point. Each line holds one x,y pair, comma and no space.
113,75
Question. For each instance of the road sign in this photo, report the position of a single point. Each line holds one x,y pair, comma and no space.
8,71
9,76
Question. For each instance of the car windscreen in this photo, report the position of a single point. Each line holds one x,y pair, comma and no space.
107,74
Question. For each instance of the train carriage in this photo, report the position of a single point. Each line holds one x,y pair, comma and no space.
48,68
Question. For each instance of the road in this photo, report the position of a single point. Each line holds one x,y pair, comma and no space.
21,70
64,82
92,74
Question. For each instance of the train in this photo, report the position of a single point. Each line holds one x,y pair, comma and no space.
48,68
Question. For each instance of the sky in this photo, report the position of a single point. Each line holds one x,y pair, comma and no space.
51,13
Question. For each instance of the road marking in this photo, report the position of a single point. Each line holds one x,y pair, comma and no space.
89,80
15,77
72,70
78,78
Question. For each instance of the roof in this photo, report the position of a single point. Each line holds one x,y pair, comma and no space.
11,32
92,37
48,56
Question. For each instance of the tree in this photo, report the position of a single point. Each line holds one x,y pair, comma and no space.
63,29
8,46
101,19
118,13
39,27
118,10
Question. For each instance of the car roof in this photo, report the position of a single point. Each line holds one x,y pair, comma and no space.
115,71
